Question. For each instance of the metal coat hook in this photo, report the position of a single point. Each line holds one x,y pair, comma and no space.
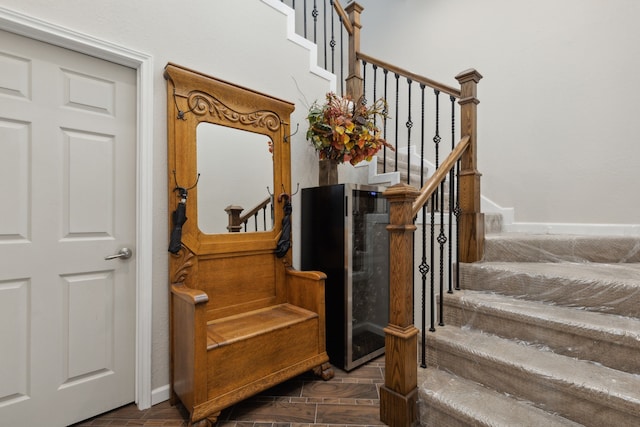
284,194
288,137
181,113
184,190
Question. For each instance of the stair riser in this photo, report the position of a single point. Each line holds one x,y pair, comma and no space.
432,415
568,400
593,296
452,401
579,342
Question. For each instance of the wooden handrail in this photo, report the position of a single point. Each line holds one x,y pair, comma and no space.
346,22
440,174
255,210
408,74
236,220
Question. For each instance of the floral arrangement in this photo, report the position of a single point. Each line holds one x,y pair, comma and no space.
345,131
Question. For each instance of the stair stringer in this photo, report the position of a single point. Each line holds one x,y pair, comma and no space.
307,44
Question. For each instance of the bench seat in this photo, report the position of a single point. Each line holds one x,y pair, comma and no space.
268,320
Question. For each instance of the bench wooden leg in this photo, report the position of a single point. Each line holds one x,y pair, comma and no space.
324,371
210,421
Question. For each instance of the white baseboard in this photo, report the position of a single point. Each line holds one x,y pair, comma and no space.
160,394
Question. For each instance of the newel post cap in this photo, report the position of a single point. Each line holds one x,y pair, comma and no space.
469,75
353,7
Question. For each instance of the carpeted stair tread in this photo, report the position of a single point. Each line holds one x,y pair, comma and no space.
580,390
517,247
454,401
604,338
609,288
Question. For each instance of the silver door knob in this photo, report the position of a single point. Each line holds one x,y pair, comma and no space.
124,253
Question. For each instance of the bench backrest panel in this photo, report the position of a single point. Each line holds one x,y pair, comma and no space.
238,284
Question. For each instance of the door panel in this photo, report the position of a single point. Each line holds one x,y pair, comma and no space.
68,179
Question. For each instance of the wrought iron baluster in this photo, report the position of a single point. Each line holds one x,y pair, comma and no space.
384,153
434,207
432,282
452,194
457,211
397,116
264,217
342,30
438,204
409,125
436,141
304,10
375,89
424,267
324,26
314,14
363,101
332,43
442,240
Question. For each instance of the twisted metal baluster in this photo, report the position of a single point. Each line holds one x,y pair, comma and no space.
364,83
324,27
423,267
432,283
409,125
457,211
332,43
397,115
384,163
304,14
442,240
314,13
452,193
436,139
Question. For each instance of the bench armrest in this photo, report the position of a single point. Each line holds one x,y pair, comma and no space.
188,342
192,296
306,289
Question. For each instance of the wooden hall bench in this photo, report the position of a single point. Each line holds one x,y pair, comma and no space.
242,318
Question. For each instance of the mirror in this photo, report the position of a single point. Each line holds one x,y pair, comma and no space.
224,152
218,136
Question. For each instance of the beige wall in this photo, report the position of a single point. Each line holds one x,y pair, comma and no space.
558,139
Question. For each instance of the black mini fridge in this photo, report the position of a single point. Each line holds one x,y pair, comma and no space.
344,235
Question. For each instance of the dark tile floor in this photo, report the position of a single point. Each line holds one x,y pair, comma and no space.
349,399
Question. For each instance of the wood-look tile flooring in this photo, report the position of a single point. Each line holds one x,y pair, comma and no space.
349,399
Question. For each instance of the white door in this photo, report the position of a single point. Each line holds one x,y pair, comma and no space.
67,201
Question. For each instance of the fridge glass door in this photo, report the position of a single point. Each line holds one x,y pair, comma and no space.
369,275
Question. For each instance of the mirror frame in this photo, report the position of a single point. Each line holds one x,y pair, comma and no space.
192,98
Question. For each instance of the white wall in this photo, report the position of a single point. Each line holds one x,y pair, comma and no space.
558,139
244,42
557,108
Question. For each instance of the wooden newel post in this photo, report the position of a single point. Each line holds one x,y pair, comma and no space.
235,224
354,79
399,394
471,219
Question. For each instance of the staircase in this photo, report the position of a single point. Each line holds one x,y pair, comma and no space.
545,333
